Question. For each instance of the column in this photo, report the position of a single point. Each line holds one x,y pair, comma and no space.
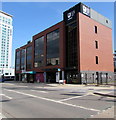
62,75
44,77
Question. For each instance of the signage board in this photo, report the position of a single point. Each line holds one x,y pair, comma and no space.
59,69
71,14
30,72
85,10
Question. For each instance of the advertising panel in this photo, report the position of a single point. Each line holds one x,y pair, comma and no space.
85,10
70,15
39,77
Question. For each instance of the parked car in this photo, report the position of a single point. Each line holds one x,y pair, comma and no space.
1,80
8,78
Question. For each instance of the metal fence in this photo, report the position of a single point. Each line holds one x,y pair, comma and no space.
98,78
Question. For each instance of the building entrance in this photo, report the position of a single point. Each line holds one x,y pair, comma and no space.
72,77
51,77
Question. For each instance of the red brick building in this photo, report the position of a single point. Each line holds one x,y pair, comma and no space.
77,49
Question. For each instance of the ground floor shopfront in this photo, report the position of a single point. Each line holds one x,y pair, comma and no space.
71,77
48,76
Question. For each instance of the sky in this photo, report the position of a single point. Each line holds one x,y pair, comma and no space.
30,18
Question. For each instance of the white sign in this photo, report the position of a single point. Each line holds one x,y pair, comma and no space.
86,10
70,15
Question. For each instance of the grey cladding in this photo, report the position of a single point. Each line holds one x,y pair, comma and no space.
100,18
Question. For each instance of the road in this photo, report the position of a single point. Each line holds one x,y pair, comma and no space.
22,100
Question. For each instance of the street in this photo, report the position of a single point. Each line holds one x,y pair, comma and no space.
30,100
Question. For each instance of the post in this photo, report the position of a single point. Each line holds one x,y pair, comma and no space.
86,78
62,75
101,77
106,78
44,77
97,78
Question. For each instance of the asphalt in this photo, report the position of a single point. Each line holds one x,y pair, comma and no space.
112,94
27,100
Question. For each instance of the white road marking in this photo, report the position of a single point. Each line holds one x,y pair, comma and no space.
79,106
73,97
53,100
39,87
40,91
2,116
21,86
13,84
7,84
6,96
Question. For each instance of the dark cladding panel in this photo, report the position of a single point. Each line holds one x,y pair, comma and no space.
70,15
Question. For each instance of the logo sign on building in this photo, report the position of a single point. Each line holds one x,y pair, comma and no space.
85,10
70,15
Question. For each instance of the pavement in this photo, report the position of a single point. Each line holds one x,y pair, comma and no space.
93,101
109,113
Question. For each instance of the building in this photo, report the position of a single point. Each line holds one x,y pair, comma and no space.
6,31
77,49
115,61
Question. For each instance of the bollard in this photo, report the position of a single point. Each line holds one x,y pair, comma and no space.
64,81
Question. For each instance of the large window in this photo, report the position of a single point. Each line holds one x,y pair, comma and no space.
29,57
39,52
23,59
53,48
18,60
71,45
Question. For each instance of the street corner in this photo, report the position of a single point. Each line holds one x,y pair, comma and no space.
108,113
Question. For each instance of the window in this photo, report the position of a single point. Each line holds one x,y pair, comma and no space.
53,47
95,29
96,59
18,60
29,57
106,21
96,44
6,74
23,51
71,45
39,52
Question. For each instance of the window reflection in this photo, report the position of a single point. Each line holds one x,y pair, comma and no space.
18,60
53,48
39,52
23,59
29,57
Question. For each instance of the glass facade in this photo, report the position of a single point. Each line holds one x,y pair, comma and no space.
53,48
71,45
23,51
18,60
29,57
39,52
